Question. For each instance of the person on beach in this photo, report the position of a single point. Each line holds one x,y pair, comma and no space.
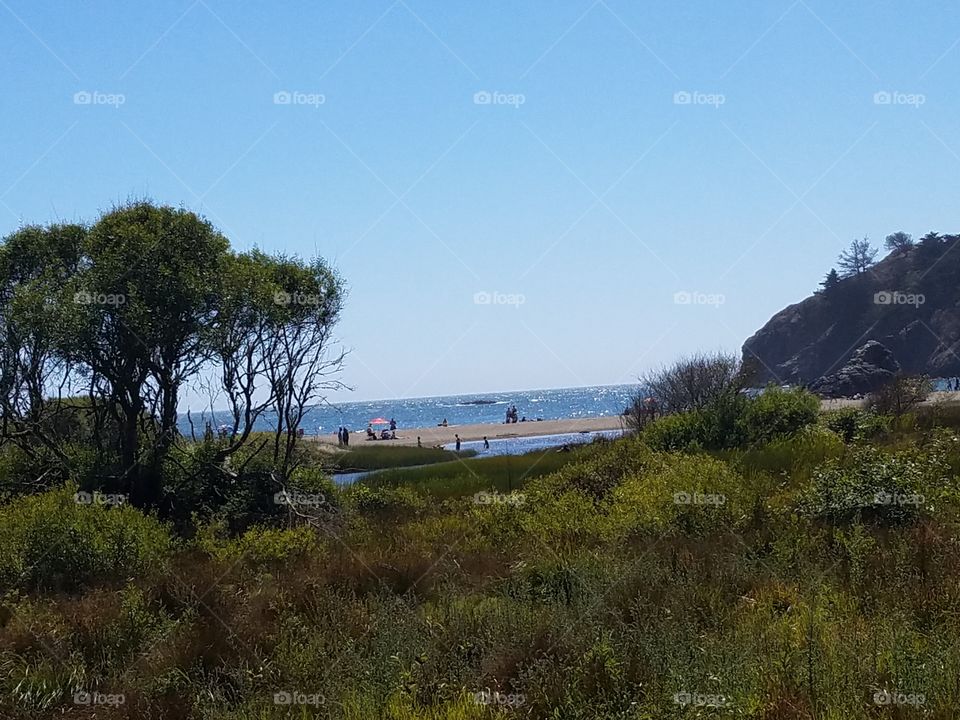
346,437
486,443
418,442
444,423
458,442
340,436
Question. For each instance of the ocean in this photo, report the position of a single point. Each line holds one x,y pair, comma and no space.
555,404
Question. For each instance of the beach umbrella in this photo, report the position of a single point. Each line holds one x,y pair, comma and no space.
379,421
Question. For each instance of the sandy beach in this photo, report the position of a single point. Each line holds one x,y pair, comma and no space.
430,436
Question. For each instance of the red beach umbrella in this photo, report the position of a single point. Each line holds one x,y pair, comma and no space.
379,421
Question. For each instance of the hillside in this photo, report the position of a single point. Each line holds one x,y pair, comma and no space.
908,303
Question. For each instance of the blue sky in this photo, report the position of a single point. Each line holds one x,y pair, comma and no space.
515,192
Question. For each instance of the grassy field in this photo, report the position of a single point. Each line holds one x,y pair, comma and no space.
815,576
377,457
504,473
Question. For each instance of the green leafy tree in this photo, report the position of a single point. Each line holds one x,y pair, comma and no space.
108,323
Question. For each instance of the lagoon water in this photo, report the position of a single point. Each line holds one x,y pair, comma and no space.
509,446
555,404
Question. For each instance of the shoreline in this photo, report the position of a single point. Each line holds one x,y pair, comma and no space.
436,435
432,436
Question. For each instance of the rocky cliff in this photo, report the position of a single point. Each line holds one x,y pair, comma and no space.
909,303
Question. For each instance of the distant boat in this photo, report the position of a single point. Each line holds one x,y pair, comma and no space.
479,402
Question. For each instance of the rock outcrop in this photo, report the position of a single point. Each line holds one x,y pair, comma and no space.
909,304
871,366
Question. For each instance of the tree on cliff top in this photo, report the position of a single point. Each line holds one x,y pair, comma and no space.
898,241
858,258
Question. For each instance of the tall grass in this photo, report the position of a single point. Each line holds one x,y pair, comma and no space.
377,457
589,593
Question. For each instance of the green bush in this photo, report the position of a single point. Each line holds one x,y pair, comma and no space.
873,487
734,420
853,424
53,542
777,413
685,431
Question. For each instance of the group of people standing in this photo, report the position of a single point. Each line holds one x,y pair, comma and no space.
512,414
343,437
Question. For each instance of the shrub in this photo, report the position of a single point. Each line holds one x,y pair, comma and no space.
52,542
676,432
733,420
259,545
855,424
397,503
691,383
776,413
872,487
900,395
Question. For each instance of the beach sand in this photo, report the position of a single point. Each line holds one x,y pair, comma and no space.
431,436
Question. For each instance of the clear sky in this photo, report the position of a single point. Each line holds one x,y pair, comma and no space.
515,192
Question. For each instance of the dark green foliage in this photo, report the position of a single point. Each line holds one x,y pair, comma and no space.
51,542
735,420
874,487
855,424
